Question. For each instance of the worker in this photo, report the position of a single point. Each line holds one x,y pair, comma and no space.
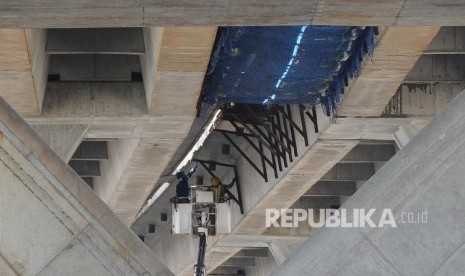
182,189
219,190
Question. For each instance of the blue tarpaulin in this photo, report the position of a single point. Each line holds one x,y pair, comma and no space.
285,65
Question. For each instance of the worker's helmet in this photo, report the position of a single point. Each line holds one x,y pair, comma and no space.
215,181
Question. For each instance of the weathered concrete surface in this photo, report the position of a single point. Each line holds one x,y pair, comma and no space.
437,68
322,156
422,99
425,175
176,68
253,187
39,61
16,77
175,62
51,223
106,13
150,125
394,57
62,138
449,40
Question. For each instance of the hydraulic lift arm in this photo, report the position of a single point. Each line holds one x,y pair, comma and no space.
200,266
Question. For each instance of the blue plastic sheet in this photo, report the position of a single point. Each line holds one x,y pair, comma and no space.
285,65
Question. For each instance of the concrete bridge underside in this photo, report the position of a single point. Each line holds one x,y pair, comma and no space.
145,116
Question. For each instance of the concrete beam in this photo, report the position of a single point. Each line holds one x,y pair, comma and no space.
125,126
398,50
91,150
350,171
371,128
332,188
85,168
260,240
16,72
106,13
178,59
128,41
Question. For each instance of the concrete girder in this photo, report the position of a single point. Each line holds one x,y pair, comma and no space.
371,128
105,13
20,69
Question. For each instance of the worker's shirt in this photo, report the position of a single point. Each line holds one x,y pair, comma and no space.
182,189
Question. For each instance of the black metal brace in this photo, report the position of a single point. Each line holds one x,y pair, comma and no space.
312,117
262,173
